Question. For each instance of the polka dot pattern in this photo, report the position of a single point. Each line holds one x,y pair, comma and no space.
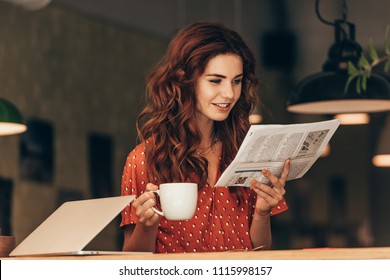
219,223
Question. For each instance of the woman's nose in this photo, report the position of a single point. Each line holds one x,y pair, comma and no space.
227,91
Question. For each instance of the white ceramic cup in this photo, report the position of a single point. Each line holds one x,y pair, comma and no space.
178,200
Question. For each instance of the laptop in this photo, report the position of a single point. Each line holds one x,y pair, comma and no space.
72,226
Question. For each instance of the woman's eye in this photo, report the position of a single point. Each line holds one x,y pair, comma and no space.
215,81
237,81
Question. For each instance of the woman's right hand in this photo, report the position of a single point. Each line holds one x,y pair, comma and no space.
143,207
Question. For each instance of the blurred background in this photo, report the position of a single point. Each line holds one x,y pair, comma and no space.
76,71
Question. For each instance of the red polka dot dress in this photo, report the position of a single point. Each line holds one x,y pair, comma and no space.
219,223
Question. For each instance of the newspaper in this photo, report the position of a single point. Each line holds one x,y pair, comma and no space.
269,146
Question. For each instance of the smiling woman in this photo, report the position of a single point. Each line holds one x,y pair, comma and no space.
199,100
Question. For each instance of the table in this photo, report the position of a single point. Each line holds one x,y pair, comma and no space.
299,254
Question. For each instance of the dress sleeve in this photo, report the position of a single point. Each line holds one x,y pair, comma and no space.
281,207
133,182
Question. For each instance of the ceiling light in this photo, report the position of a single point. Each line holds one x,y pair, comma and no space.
324,92
353,118
326,151
10,119
255,118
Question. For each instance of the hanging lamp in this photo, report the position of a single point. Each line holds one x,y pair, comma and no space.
324,92
11,121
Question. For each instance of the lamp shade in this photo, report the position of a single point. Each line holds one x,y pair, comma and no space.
353,118
323,93
11,121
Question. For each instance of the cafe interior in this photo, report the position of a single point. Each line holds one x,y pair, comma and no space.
72,77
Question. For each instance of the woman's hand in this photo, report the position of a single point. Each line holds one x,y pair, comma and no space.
268,196
143,207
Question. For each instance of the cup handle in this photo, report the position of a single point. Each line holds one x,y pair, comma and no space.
154,208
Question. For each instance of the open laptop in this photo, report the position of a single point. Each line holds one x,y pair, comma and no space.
72,226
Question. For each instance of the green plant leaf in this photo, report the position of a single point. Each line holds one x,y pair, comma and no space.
351,68
348,83
362,71
372,51
387,45
387,66
364,83
363,62
358,88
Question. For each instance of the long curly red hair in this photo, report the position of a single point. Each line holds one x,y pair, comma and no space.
169,116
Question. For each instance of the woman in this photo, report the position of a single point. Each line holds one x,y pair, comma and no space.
199,100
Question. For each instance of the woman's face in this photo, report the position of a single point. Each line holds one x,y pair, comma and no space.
219,87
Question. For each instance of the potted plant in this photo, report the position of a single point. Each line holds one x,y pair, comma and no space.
367,62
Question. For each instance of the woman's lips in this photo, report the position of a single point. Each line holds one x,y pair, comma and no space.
222,106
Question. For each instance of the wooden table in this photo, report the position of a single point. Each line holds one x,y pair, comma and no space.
303,254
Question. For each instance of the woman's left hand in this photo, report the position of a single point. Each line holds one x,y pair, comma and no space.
268,196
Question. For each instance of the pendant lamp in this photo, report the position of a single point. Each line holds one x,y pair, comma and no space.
11,121
324,92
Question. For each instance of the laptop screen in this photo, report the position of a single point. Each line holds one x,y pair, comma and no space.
72,226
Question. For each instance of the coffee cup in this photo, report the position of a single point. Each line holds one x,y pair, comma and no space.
177,200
